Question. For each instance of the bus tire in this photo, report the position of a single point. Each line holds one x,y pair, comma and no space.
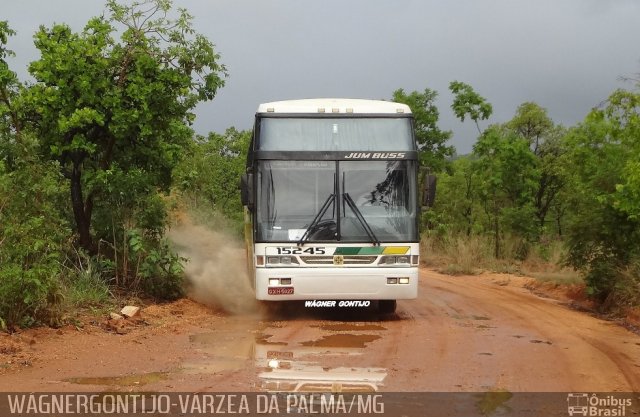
387,306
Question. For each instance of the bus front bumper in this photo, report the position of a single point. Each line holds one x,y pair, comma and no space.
281,284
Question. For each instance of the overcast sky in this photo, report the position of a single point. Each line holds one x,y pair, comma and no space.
566,55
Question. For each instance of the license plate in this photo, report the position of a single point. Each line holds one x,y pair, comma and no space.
274,354
280,290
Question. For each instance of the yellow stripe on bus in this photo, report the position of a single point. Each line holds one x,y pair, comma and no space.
395,250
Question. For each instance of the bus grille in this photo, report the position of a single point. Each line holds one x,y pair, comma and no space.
348,260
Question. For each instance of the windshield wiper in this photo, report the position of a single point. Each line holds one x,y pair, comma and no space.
316,220
346,197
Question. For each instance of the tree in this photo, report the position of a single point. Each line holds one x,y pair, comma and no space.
458,196
545,139
467,102
431,140
33,231
604,228
10,88
212,169
103,106
508,174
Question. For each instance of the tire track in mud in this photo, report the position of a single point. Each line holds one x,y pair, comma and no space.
589,351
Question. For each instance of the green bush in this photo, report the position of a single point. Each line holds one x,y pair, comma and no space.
33,239
158,269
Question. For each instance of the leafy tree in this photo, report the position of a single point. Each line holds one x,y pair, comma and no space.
10,119
532,123
467,102
104,108
211,171
508,174
604,229
431,140
33,233
33,238
457,201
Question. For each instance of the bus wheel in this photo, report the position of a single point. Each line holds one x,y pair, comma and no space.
387,306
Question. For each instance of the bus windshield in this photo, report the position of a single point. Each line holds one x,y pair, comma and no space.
336,134
351,201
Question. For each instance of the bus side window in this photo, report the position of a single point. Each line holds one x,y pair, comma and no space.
246,190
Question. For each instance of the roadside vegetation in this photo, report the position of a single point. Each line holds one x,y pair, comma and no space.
98,150
545,200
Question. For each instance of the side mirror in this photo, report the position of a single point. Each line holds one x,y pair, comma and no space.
429,191
246,190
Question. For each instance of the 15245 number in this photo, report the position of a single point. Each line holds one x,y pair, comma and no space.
284,250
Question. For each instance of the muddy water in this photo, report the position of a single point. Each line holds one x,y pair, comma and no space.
121,381
317,357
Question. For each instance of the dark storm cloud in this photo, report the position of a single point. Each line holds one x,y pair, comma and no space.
567,56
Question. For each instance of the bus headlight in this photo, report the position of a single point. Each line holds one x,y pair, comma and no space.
403,280
388,260
395,260
282,260
404,260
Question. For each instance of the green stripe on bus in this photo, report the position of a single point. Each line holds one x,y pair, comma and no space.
347,251
371,250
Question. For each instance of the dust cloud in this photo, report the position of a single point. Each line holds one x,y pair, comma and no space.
216,269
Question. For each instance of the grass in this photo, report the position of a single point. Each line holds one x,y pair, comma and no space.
568,277
470,255
455,255
85,287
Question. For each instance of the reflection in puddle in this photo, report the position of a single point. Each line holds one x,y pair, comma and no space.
343,340
131,380
319,364
300,368
264,339
349,327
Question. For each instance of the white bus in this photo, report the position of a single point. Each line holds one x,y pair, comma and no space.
331,203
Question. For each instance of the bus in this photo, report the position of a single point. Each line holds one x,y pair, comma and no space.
331,203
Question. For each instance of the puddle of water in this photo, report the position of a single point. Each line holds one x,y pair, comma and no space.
343,340
262,339
301,376
540,341
349,327
222,350
123,381
314,365
320,365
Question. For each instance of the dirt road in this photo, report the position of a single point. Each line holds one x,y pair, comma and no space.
463,334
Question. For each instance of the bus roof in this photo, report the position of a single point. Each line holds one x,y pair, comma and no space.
334,105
